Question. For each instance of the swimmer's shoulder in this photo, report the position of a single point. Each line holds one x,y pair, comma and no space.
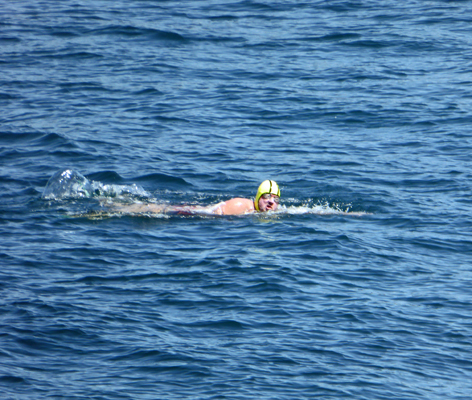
236,206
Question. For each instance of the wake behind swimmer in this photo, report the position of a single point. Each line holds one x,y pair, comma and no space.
134,200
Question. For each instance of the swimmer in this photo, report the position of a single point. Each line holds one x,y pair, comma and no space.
267,199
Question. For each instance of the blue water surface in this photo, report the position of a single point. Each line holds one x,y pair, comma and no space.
359,289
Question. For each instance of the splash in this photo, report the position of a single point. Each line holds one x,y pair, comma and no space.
70,184
324,209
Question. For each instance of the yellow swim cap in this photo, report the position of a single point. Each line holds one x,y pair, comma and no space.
266,187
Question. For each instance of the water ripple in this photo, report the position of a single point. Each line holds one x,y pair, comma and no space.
358,287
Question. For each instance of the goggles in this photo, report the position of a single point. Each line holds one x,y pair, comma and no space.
267,196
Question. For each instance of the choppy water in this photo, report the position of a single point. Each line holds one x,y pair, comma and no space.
359,106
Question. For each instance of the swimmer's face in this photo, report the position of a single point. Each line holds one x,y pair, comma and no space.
268,202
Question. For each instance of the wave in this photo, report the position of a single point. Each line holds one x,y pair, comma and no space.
133,31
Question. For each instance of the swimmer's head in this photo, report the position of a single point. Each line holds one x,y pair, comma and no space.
270,193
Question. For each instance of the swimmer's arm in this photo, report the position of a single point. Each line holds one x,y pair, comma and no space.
139,208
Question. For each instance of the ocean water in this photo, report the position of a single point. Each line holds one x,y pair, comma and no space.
359,288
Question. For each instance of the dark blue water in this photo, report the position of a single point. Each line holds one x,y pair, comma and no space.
351,106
